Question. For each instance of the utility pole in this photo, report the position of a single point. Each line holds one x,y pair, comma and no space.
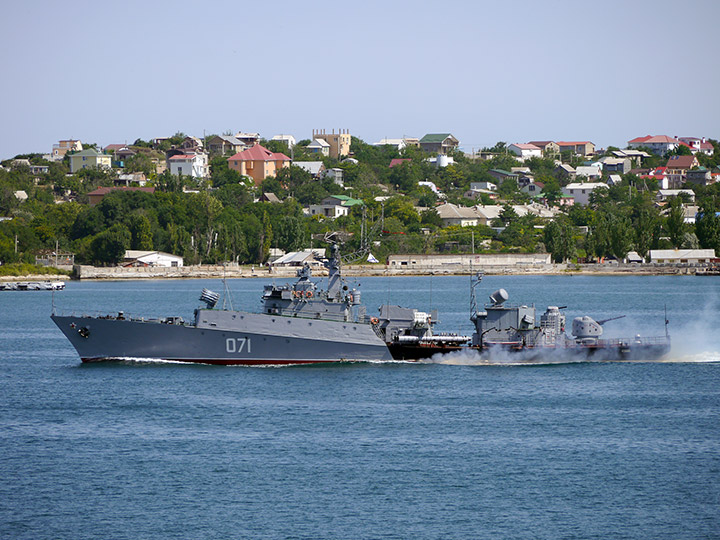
16,243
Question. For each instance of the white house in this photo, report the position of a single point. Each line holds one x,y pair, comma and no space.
135,257
397,143
289,140
478,186
195,165
331,211
452,214
665,194
525,151
319,146
591,172
581,192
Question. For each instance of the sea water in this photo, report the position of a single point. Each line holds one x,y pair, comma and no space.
449,449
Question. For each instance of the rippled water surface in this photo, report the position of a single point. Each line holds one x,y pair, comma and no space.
448,449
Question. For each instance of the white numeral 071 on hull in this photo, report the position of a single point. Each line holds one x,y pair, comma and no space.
237,345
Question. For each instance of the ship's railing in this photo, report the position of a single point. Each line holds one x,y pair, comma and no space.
638,340
122,316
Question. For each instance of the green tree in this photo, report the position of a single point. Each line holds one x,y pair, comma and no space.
109,246
707,228
645,231
559,239
675,222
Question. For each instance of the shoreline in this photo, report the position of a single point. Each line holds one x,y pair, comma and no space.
91,273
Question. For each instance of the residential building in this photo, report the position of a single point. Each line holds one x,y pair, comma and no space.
258,163
429,185
94,197
698,145
334,206
192,145
636,156
700,176
336,175
39,169
501,175
439,143
525,151
89,159
548,148
248,139
398,144
581,148
665,194
269,197
63,147
681,256
591,172
339,142
120,155
319,146
135,257
483,185
225,144
452,214
289,140
532,188
399,161
677,168
564,171
315,168
126,179
658,144
194,165
658,174
616,164
112,148
581,191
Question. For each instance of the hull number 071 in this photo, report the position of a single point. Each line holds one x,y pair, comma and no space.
237,345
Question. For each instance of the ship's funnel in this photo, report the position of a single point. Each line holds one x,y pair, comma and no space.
209,297
499,297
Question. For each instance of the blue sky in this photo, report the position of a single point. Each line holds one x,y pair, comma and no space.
112,72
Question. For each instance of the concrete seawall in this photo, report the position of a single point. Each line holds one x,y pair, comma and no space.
232,272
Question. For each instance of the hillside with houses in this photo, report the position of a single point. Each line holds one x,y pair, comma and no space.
246,199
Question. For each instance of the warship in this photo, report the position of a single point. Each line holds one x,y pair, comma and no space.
502,327
516,327
300,323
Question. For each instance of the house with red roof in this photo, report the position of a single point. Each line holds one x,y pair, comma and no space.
581,148
398,161
658,144
698,145
659,174
258,163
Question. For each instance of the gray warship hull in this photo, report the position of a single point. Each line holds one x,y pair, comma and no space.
225,338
